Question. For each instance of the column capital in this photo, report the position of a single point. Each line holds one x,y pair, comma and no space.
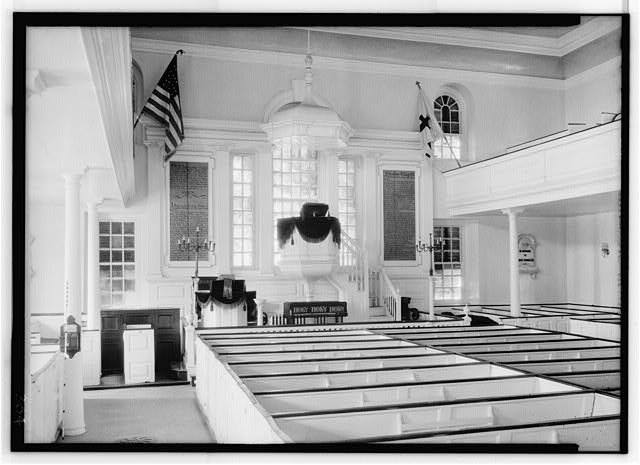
513,211
72,178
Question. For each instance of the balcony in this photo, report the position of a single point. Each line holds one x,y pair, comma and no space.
569,166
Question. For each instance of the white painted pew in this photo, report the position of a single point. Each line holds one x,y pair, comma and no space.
599,380
593,435
217,341
319,354
493,339
373,377
569,365
384,343
489,347
515,356
44,402
278,404
347,365
496,413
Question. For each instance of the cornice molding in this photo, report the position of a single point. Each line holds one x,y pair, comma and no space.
463,37
341,64
201,132
494,40
588,32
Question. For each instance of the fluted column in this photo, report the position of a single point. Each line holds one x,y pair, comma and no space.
514,281
73,396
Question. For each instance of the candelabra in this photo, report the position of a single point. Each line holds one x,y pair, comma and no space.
424,247
185,245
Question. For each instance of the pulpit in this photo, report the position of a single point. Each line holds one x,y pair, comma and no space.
309,245
226,302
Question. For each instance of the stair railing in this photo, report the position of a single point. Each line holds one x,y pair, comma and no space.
353,261
353,264
390,296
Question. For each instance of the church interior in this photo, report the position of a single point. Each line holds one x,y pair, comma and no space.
350,234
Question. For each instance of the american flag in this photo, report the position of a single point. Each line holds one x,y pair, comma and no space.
164,107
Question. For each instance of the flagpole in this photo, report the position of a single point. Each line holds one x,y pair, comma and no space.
443,135
178,52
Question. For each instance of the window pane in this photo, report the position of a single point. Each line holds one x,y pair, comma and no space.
116,242
129,256
104,256
116,228
104,242
129,242
129,228
104,227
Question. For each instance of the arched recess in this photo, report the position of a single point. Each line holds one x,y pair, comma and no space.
465,102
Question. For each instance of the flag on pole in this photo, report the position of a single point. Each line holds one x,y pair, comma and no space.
164,107
430,130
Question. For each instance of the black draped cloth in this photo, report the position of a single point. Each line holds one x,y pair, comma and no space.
223,291
311,229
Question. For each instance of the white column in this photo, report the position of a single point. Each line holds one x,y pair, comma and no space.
259,311
93,269
514,281
73,396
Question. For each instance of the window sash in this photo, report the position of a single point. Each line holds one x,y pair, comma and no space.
116,262
243,211
448,264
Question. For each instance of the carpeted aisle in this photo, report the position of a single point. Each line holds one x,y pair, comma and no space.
162,414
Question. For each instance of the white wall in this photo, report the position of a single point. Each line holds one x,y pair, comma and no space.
593,92
493,251
592,278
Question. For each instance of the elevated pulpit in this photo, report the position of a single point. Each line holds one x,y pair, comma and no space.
309,245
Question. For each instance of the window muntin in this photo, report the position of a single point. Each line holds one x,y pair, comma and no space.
242,212
447,264
117,263
347,212
295,181
447,112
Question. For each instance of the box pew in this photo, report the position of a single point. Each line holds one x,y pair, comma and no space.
448,330
498,332
346,365
501,346
218,342
562,366
490,339
315,401
590,434
232,413
330,355
472,370
383,343
496,413
603,379
508,356
44,402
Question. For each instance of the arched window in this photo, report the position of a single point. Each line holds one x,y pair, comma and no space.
449,114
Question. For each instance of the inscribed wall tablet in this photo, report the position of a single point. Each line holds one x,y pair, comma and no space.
399,207
188,206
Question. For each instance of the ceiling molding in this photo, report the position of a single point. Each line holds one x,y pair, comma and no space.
588,32
341,64
463,37
495,40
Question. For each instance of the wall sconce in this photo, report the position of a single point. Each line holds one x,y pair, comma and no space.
604,249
